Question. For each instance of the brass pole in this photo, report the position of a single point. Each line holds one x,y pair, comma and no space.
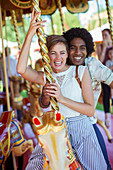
52,24
109,18
100,22
4,62
44,53
11,83
21,11
61,14
15,28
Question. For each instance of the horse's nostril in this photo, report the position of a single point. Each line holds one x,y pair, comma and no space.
58,116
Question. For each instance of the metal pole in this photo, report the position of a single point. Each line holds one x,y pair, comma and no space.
109,18
44,53
4,62
11,83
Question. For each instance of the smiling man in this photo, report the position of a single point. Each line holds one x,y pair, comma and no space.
81,47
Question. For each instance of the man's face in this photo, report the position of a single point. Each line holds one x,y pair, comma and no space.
77,51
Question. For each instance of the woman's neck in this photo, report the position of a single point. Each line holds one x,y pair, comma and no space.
62,70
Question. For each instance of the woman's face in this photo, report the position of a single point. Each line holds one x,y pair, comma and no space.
58,56
106,36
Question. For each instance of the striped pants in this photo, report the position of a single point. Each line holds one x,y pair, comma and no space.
85,144
36,159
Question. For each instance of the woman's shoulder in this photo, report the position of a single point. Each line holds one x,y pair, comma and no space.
80,71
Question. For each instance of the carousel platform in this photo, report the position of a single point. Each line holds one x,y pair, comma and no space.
109,146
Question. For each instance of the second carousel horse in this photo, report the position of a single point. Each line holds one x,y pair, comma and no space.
11,137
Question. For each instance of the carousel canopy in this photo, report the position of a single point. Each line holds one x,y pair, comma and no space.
47,7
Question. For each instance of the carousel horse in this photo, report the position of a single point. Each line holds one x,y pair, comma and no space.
11,137
52,136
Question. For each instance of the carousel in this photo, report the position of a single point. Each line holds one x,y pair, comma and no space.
19,137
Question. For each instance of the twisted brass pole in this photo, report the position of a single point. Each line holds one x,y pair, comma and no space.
44,53
15,28
109,18
61,14
21,12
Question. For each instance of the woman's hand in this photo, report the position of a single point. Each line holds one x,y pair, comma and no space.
45,95
105,43
53,90
34,24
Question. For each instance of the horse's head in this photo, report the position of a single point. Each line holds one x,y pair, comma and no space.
52,135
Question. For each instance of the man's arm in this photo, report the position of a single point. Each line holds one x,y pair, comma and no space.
99,71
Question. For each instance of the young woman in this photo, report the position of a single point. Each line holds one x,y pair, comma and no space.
75,103
102,50
109,64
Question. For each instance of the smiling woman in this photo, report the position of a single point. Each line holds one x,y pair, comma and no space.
75,103
58,53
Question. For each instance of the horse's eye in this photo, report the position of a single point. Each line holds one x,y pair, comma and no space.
36,121
58,116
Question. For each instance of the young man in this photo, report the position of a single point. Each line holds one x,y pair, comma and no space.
80,39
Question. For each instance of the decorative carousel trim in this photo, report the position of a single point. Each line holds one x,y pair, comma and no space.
82,7
20,4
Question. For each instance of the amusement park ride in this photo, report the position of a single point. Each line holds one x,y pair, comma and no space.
12,138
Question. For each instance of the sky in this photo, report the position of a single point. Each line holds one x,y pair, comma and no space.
85,17
103,4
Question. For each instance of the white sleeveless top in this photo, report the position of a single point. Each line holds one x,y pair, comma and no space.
70,88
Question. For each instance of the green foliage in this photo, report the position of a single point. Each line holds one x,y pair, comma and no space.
95,23
11,35
70,20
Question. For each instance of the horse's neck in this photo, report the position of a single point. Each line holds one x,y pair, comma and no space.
55,146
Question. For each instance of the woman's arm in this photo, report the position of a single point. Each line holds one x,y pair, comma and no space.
86,108
27,72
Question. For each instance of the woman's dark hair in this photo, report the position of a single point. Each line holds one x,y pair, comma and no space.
108,30
84,35
52,40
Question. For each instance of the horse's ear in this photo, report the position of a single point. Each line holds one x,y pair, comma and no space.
36,121
58,116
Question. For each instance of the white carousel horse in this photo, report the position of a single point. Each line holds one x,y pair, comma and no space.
52,135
